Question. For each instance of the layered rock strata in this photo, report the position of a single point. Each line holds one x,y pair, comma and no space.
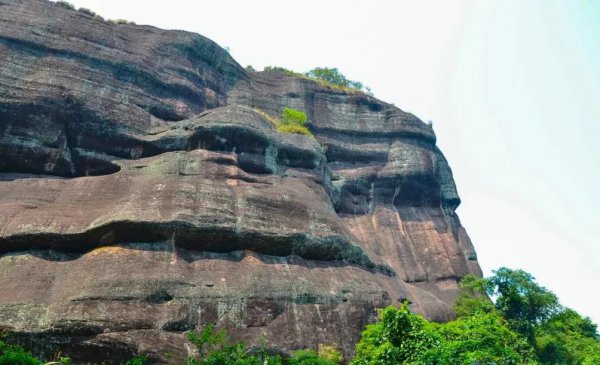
145,193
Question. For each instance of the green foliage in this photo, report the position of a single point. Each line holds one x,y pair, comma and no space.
328,77
293,116
567,338
480,339
558,335
214,348
521,300
137,360
472,298
399,337
16,355
291,121
332,77
250,68
65,4
281,69
479,336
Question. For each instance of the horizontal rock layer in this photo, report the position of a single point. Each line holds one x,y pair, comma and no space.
144,193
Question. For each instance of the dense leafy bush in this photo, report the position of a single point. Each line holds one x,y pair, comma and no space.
399,337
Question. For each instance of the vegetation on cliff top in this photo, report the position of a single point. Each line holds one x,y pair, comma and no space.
328,77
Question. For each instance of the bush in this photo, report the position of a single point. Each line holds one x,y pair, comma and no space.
215,348
65,4
398,337
291,121
332,77
86,11
16,355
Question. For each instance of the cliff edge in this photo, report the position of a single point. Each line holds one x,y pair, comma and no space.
145,193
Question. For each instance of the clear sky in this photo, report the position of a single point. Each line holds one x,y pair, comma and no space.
512,88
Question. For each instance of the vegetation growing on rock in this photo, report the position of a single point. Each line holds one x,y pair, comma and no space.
329,77
65,4
291,121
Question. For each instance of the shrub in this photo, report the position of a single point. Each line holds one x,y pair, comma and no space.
215,348
333,78
291,121
86,11
293,116
118,21
16,355
65,4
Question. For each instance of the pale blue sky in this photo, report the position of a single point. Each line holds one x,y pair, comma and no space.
512,87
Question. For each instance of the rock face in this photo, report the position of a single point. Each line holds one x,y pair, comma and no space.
144,193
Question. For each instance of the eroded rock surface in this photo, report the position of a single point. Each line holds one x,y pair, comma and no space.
144,193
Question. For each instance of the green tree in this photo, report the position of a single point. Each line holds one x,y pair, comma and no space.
483,338
521,300
399,337
473,298
567,338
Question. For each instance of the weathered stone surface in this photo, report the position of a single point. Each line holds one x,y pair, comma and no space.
144,194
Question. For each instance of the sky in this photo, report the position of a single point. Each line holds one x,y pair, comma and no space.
512,88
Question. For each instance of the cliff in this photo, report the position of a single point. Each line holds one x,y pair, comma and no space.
144,193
